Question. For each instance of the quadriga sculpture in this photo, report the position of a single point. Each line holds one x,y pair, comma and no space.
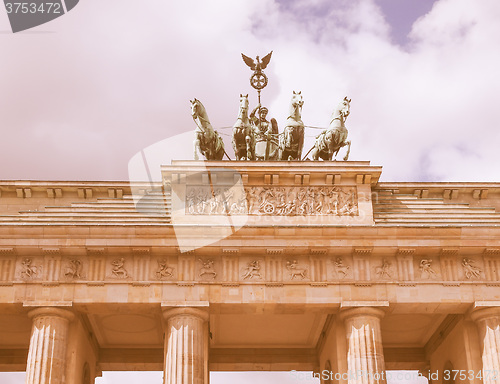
207,141
243,135
292,141
332,139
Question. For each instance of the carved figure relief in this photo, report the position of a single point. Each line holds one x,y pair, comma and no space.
470,270
294,270
74,269
383,271
207,269
29,271
164,271
119,269
426,269
273,201
252,270
340,269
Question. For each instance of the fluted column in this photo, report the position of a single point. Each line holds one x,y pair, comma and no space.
365,355
488,323
47,353
186,345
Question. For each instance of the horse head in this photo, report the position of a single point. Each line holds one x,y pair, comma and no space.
296,106
341,112
297,101
243,113
196,108
345,107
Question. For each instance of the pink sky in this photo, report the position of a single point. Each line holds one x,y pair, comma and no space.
84,93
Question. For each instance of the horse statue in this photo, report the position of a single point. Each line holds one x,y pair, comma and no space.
207,141
243,135
292,141
332,139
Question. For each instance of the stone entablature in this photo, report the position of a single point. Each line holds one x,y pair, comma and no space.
365,266
277,274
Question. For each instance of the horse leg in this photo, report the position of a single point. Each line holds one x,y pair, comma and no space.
315,154
249,152
219,149
300,132
348,143
196,149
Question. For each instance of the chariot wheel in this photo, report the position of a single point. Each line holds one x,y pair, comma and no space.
268,209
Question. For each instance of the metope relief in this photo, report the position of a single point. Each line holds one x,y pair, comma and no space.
118,269
74,269
384,270
30,271
207,269
164,271
426,270
341,270
470,270
252,270
295,271
272,201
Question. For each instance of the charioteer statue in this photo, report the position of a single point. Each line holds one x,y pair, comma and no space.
266,134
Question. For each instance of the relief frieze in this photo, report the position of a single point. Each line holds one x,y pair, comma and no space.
272,201
275,268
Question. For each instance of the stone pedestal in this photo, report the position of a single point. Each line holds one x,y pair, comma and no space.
47,352
186,346
488,322
365,356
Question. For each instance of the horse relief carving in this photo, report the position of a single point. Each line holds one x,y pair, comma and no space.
384,270
252,270
207,269
294,270
29,271
118,269
341,269
273,201
164,271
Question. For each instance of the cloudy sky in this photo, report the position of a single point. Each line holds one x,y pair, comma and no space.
81,95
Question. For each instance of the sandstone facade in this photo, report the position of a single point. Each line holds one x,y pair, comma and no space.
250,266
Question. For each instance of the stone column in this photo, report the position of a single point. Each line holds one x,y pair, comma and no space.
488,323
365,355
47,353
186,346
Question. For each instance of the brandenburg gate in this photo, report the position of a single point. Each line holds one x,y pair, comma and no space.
251,266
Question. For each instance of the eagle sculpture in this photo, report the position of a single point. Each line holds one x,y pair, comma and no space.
257,65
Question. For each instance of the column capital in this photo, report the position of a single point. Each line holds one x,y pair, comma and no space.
51,311
186,311
361,311
485,313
